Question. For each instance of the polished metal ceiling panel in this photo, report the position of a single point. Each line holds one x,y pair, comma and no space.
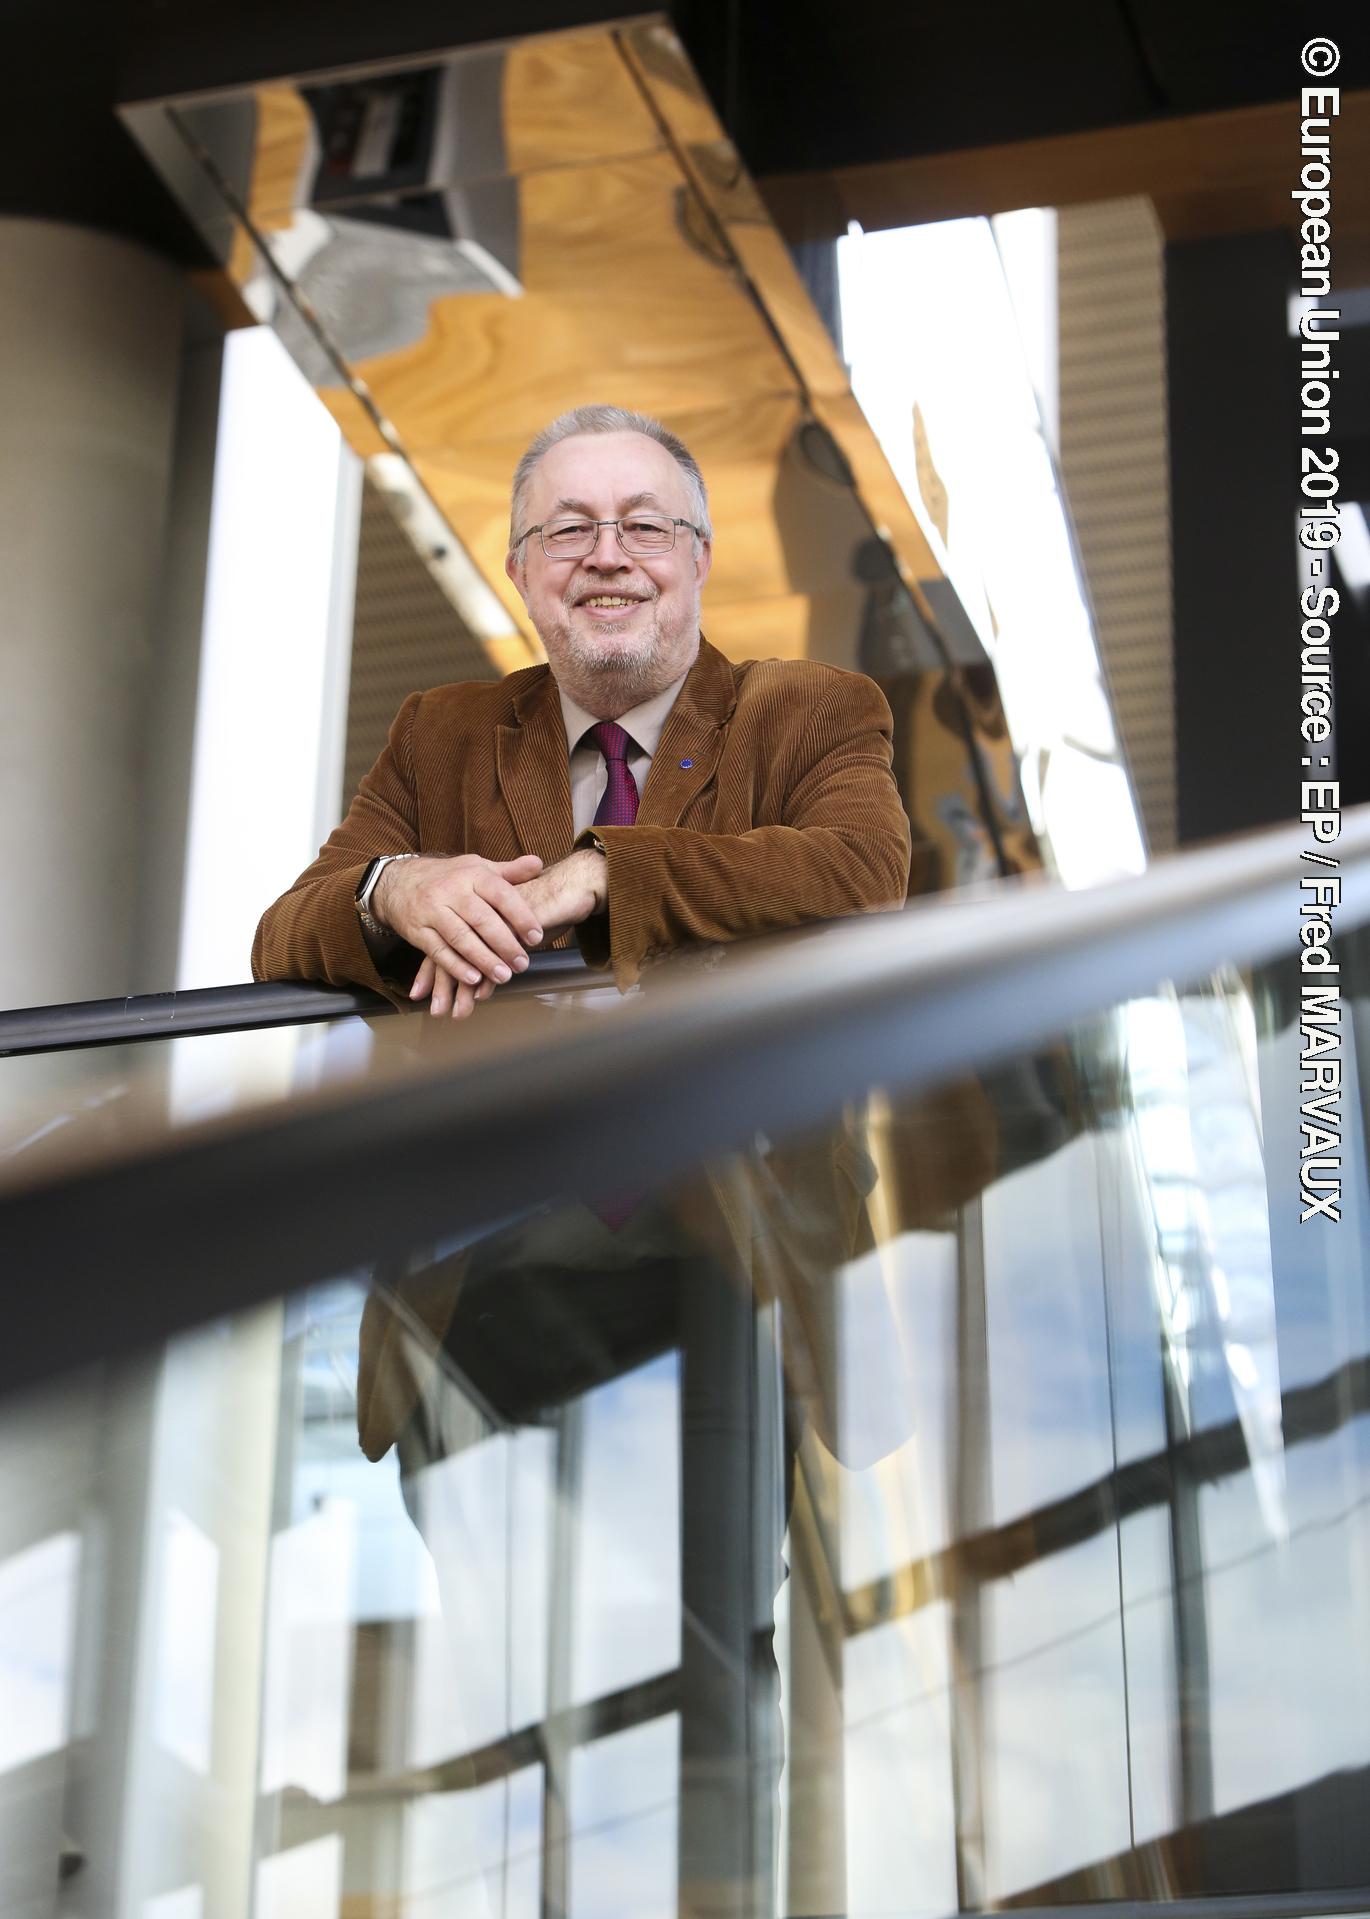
458,249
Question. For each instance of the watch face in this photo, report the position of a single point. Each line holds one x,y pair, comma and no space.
373,867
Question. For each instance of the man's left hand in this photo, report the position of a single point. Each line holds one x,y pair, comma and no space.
562,896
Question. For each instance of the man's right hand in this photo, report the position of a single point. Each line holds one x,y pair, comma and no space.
465,913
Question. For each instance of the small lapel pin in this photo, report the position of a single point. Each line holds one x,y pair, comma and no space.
685,765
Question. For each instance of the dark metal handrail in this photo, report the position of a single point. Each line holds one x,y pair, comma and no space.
773,1041
246,1007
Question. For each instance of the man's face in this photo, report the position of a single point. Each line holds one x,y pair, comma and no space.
618,627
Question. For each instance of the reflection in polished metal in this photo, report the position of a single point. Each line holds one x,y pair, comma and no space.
460,249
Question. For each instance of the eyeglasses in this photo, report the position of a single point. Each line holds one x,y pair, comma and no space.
639,534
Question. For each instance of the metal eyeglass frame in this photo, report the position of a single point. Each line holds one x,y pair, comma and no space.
617,525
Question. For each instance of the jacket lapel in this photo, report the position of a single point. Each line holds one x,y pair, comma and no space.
691,742
533,770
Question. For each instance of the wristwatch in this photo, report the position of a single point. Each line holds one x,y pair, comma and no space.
367,888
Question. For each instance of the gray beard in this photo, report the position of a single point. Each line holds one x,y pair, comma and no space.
625,678
633,674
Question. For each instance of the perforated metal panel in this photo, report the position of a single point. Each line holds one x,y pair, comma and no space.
406,635
1115,469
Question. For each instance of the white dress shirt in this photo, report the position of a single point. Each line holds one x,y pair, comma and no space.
589,769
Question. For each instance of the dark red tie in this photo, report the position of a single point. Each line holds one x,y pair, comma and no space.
617,808
619,805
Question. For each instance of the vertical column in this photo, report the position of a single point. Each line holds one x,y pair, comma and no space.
729,1752
174,667
88,378
1234,496
1189,1617
972,1506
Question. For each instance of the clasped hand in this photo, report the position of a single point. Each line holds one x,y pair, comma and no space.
474,919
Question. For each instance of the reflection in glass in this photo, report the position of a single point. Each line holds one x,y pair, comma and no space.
1057,1797
624,1791
476,1852
37,1608
1050,1426
302,1883
897,1698
1196,1116
625,1595
1289,1707
963,1504
185,1902
184,1709
309,1653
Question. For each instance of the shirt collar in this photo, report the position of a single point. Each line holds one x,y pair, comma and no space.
644,723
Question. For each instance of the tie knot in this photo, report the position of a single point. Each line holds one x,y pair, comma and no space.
611,739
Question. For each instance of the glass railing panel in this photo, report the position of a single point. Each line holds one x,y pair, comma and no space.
960,1505
62,1110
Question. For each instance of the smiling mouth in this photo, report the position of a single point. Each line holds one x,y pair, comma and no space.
606,606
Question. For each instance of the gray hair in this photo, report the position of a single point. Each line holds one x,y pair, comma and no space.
608,419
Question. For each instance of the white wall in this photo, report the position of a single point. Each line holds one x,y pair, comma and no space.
271,716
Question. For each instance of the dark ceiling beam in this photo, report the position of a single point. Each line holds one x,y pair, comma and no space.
1209,173
170,48
871,108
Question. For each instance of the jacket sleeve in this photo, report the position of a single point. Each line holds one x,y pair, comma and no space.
312,931
842,847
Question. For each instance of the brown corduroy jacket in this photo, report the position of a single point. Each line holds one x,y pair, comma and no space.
770,802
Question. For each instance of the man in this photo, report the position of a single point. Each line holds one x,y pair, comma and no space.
644,792
640,788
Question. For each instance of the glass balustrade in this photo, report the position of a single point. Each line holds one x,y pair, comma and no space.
958,1506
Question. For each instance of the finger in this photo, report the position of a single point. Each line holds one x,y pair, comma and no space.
446,957
491,926
445,989
465,998
482,939
423,980
512,906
